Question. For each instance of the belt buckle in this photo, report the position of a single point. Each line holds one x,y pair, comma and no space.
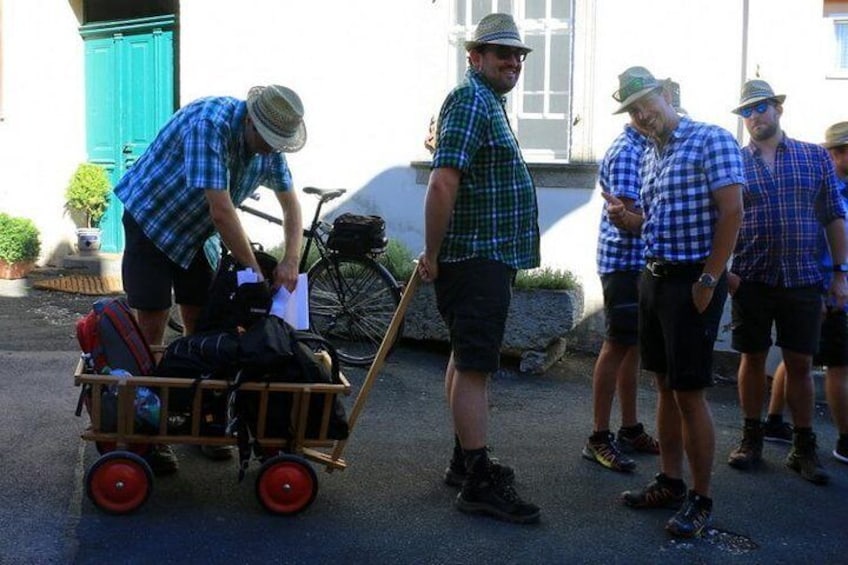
655,268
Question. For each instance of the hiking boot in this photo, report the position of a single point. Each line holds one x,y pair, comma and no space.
804,460
456,473
488,493
750,449
218,452
692,517
841,451
777,431
662,492
162,460
637,440
604,450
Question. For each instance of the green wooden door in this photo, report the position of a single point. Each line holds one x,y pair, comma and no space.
129,83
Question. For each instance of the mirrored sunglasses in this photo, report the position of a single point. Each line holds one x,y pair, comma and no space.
748,111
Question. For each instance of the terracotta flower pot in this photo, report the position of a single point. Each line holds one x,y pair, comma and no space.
17,270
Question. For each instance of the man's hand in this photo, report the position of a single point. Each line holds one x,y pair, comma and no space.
733,282
837,293
701,297
285,275
428,267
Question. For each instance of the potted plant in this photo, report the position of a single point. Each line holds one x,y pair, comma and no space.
19,246
88,194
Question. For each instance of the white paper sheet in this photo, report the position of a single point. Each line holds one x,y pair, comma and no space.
293,307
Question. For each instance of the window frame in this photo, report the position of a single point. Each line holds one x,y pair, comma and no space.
836,71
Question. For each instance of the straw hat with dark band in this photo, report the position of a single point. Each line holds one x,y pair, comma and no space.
496,29
755,91
277,113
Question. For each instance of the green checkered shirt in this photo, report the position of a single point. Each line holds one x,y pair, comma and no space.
496,215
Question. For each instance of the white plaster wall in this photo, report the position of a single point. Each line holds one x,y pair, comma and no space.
42,135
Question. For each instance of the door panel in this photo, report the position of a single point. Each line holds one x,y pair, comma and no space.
129,95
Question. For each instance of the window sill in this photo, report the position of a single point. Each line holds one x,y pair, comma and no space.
545,175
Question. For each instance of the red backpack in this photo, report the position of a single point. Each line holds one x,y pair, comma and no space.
111,338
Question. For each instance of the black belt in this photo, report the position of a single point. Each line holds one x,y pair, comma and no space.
676,270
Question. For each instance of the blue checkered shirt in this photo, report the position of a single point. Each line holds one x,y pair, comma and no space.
677,186
621,250
495,215
785,211
201,147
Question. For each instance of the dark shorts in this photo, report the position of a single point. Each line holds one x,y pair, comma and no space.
149,275
473,298
675,340
621,306
795,313
833,345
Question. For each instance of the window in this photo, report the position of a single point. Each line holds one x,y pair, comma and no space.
540,105
840,45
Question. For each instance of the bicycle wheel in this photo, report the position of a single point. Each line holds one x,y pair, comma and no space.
351,304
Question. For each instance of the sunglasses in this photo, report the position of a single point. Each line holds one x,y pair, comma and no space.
748,111
505,53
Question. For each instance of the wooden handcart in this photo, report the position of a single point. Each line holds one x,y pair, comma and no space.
121,480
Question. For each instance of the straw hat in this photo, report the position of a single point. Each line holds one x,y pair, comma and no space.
836,135
633,84
496,29
754,91
277,113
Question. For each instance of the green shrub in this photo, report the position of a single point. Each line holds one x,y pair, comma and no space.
18,239
546,278
88,192
397,260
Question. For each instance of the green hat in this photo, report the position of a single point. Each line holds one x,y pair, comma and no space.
836,135
633,84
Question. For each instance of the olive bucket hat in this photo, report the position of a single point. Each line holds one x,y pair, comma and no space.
496,29
836,135
633,84
277,113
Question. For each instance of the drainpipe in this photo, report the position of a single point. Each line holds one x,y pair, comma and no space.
740,126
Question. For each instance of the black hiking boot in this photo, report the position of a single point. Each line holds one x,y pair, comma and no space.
486,491
456,473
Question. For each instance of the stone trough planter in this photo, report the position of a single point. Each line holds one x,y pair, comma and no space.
536,329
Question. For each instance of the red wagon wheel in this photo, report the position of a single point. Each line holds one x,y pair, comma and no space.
119,482
286,484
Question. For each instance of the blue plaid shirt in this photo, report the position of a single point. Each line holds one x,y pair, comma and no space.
785,211
201,147
495,215
677,185
621,250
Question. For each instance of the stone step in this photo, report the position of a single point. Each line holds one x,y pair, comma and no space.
102,264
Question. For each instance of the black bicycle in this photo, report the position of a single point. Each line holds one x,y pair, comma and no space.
352,297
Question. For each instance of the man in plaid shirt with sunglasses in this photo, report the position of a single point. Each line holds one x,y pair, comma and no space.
792,194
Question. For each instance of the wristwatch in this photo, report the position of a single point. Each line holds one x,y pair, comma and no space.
707,280
840,268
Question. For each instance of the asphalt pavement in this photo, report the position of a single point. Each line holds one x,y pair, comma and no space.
390,505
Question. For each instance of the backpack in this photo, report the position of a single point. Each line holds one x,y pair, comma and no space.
231,305
111,339
354,234
112,343
272,351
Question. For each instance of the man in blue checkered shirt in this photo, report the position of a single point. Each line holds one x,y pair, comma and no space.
619,265
211,155
792,195
691,198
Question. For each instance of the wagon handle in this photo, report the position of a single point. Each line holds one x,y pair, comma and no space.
379,359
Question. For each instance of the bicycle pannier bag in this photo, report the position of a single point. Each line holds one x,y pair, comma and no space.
354,234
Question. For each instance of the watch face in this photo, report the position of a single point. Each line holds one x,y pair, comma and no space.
841,268
707,280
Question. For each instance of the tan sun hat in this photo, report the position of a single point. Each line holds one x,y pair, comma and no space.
836,135
754,91
634,83
277,113
496,29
